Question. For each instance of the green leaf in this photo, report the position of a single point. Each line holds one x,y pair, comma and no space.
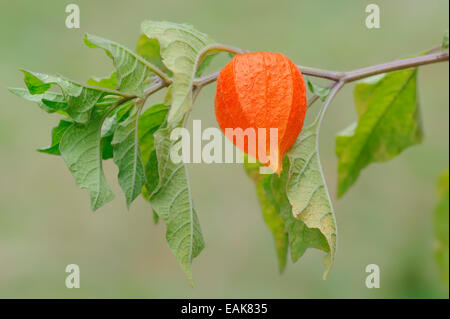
172,201
149,49
308,194
151,171
149,122
205,63
57,102
155,218
181,48
133,71
106,147
127,156
321,92
153,162
444,44
107,82
441,225
81,149
79,98
50,102
57,133
110,125
112,121
270,211
388,122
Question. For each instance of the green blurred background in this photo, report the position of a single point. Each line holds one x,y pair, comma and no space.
386,218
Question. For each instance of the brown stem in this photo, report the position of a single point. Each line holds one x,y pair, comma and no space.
394,66
355,74
336,76
158,85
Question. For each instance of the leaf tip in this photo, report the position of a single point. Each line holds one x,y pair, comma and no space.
129,201
281,268
90,40
189,277
328,262
13,90
25,72
43,150
343,185
96,203
87,41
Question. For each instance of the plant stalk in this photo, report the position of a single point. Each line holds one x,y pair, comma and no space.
353,75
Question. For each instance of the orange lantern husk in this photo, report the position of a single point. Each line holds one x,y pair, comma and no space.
257,92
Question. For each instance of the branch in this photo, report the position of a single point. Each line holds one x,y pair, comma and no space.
314,98
158,85
339,78
157,71
325,74
394,66
110,91
353,75
335,87
217,47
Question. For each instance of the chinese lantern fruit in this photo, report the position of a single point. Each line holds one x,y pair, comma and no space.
261,91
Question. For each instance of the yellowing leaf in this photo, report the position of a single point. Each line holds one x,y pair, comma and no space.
308,193
270,211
